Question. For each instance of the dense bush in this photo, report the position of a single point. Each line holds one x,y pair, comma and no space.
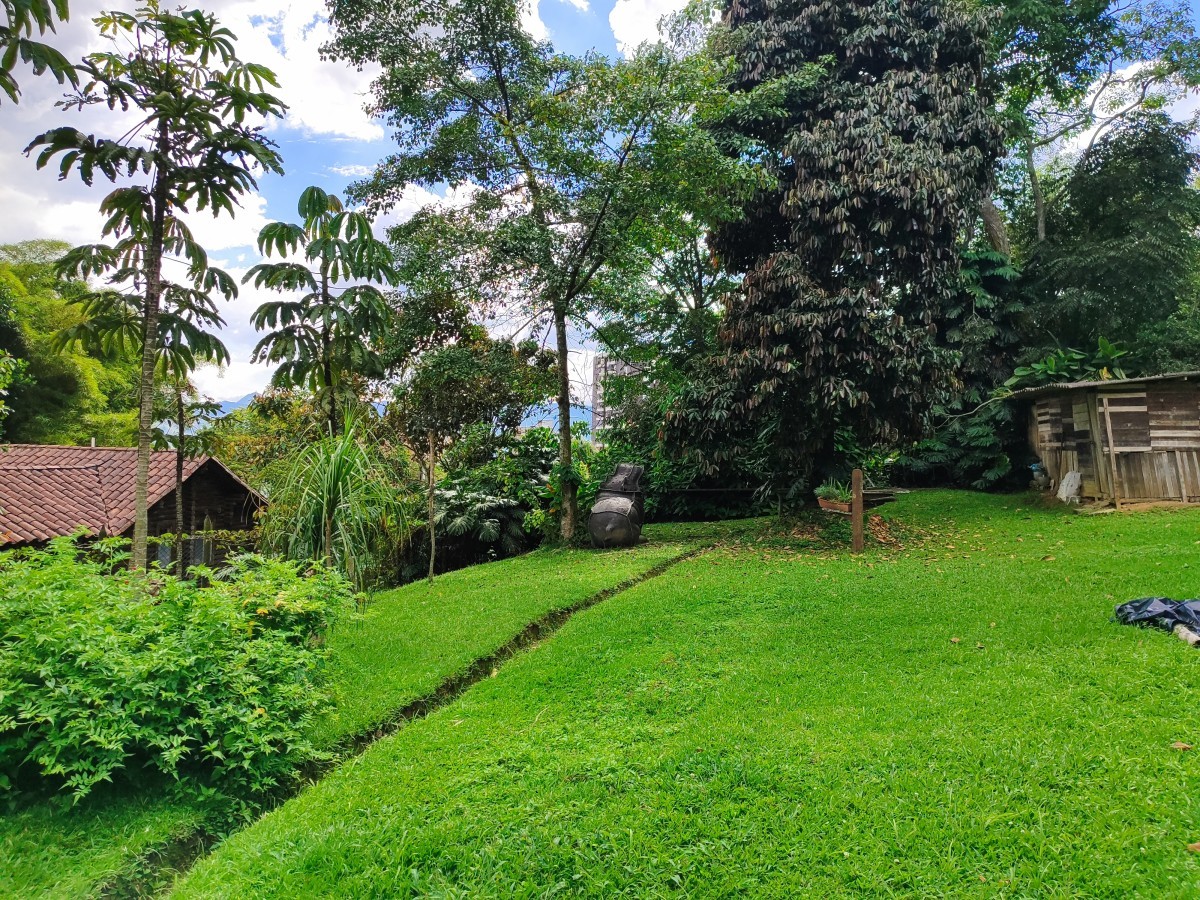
103,671
677,486
490,504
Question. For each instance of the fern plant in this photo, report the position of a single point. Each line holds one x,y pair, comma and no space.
472,526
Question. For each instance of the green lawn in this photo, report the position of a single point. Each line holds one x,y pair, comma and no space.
409,641
48,850
769,722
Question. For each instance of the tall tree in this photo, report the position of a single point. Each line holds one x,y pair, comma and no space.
193,147
183,413
477,382
333,330
1070,70
849,258
1123,252
23,18
112,329
574,165
668,323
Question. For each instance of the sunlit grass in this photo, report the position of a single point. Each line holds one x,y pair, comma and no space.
408,642
770,721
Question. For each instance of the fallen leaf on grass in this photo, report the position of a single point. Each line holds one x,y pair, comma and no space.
956,640
1180,745
993,625
1195,848
979,646
1047,558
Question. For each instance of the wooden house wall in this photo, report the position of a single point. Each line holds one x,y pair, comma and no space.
1054,436
1147,436
209,495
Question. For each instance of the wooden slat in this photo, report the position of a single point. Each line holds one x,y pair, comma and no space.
1174,417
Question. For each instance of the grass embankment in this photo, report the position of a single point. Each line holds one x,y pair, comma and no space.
765,722
411,640
408,642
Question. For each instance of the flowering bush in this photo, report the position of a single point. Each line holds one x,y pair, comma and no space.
105,671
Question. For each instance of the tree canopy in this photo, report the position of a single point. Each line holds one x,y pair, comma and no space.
574,168
478,383
58,395
850,257
332,332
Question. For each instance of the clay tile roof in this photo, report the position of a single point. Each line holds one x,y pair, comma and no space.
47,491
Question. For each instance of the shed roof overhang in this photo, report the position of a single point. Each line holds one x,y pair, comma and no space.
1032,393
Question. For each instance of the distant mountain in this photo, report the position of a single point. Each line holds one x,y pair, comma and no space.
547,416
228,406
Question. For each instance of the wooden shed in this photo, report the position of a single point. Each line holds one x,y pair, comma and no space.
1133,440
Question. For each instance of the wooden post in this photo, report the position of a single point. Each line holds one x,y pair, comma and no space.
1112,454
856,509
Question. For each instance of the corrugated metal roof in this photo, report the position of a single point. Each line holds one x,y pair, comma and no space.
1041,390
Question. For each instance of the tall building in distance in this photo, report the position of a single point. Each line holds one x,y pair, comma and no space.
605,367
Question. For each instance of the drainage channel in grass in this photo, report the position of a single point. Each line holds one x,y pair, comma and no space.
770,724
167,863
409,642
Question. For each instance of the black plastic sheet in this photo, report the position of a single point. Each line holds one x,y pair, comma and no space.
1160,612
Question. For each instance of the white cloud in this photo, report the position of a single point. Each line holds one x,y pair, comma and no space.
352,171
324,98
531,17
417,198
1113,97
232,382
531,21
223,233
635,22
28,214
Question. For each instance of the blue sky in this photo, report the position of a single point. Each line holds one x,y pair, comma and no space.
326,138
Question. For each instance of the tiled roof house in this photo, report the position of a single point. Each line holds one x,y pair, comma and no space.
47,491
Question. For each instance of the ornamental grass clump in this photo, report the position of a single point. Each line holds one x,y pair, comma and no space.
107,673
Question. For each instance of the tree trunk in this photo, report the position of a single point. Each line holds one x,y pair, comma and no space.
1039,199
181,436
150,310
429,512
327,355
570,501
995,227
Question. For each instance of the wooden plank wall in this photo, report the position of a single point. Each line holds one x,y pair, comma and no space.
1154,444
1155,441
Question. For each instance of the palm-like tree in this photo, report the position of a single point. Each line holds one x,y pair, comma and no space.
23,18
185,409
330,331
197,146
112,328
